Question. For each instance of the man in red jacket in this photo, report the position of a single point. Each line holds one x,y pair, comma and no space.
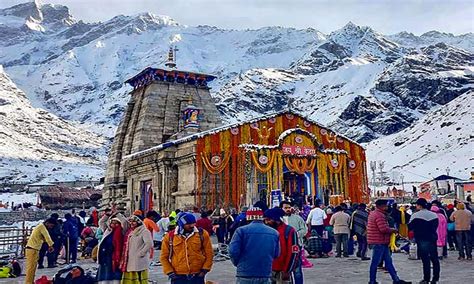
378,238
285,264
205,223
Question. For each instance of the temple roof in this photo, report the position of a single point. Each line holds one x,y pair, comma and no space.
150,74
223,128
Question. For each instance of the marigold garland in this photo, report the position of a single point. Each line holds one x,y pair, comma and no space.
257,164
299,165
215,169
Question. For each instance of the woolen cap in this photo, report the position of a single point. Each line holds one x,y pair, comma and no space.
422,202
274,214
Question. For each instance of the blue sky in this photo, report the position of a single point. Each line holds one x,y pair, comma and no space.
386,16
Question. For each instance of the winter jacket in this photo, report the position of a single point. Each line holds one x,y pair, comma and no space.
70,228
253,249
359,222
139,245
340,221
424,224
39,236
205,224
151,225
299,225
378,231
163,225
189,255
442,230
108,231
290,250
462,220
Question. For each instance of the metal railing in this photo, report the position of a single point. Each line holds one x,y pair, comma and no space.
13,241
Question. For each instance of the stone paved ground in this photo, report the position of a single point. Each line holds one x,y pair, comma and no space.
331,270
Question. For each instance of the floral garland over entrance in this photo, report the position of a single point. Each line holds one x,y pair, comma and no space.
232,162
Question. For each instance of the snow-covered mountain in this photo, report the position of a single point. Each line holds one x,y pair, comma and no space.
442,139
34,144
406,39
356,80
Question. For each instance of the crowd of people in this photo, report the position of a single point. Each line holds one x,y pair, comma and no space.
266,245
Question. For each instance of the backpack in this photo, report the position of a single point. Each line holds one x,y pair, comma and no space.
171,237
10,270
287,235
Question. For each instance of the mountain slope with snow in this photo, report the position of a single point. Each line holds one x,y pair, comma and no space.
35,144
442,138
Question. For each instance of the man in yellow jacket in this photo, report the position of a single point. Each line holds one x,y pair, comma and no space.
38,237
186,252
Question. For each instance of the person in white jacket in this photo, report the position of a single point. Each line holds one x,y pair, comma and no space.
136,252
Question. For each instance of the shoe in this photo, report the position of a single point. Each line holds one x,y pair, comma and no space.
346,255
460,258
358,254
469,258
40,267
365,258
402,282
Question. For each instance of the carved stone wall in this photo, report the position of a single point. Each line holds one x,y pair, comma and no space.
151,118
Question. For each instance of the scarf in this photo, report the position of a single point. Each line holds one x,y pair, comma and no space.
117,242
123,263
95,218
403,230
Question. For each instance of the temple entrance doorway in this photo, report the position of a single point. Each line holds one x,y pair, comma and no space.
296,186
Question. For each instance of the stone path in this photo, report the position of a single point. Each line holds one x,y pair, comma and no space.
330,270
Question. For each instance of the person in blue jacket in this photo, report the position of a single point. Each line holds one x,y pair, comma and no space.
71,231
253,249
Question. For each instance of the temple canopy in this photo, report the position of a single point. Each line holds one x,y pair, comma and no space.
150,74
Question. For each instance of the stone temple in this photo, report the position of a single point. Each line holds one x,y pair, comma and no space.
171,151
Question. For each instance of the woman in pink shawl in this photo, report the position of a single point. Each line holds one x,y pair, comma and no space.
442,230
